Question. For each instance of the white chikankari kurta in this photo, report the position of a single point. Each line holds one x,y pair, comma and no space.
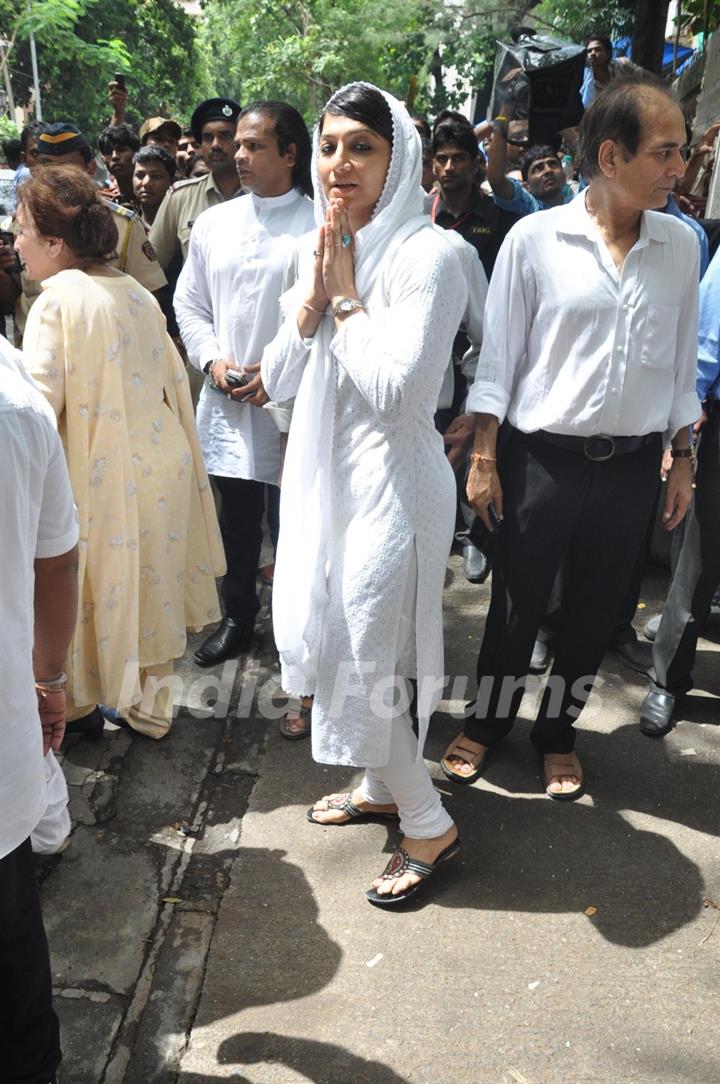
226,304
391,490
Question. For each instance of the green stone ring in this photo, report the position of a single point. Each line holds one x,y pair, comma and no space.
346,240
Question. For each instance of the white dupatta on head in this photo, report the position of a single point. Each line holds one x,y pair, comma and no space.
300,584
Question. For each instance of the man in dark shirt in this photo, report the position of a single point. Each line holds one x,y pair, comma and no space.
460,204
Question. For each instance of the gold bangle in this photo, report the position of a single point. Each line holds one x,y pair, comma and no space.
320,312
476,457
52,685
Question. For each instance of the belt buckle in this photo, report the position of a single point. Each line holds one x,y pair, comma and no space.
607,451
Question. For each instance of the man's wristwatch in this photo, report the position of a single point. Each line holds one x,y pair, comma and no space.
208,366
346,304
683,453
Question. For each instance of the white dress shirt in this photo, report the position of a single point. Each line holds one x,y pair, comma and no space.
227,306
573,345
38,521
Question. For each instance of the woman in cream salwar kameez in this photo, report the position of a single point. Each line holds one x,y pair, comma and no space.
149,543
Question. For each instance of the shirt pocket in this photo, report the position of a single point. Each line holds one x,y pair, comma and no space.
659,344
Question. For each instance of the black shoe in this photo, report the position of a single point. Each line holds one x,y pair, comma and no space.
656,713
89,726
475,564
650,628
228,640
540,657
112,716
633,654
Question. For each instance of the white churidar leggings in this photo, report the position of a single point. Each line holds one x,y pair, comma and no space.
405,779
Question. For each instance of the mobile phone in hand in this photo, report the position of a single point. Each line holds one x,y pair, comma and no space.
494,517
119,78
236,378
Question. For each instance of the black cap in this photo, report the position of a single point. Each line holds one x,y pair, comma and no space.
213,109
61,138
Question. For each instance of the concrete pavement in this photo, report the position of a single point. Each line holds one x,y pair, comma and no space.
202,930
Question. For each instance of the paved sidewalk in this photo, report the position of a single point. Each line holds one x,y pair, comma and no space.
566,943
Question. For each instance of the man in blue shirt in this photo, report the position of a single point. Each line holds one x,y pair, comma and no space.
544,181
671,208
698,569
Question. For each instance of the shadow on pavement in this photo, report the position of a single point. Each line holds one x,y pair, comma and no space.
282,952
318,1062
523,852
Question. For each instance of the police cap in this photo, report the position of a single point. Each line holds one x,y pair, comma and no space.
63,138
213,109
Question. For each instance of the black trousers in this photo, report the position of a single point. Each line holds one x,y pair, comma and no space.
558,506
241,513
623,633
29,1030
696,572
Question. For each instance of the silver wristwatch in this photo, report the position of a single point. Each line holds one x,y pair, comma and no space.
346,304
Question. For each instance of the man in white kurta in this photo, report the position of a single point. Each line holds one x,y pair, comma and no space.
227,305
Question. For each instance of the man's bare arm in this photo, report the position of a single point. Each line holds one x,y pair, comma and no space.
679,485
55,614
496,174
483,484
117,96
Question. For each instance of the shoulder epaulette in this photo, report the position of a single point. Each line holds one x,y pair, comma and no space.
185,182
118,210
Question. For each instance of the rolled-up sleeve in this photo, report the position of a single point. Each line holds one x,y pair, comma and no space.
57,525
508,316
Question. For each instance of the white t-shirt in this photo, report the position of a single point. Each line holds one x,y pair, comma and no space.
37,519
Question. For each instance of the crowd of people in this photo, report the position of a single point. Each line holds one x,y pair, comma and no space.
368,341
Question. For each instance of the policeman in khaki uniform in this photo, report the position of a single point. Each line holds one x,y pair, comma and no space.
213,125
63,144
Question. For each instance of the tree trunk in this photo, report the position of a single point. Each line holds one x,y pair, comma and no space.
648,39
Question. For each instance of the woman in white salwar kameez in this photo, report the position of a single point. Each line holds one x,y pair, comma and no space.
367,491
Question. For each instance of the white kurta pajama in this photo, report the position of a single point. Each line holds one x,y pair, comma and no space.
363,454
226,303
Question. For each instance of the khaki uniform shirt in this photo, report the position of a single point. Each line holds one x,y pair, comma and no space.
135,256
183,202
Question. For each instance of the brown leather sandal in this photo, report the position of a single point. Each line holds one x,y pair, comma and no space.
556,765
303,713
477,757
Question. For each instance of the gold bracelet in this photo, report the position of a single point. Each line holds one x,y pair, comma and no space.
477,457
52,685
320,312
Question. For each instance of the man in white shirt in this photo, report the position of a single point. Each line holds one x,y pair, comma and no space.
38,598
227,306
588,360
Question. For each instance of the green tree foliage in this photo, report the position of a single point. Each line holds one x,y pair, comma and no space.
81,43
302,51
694,13
577,18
